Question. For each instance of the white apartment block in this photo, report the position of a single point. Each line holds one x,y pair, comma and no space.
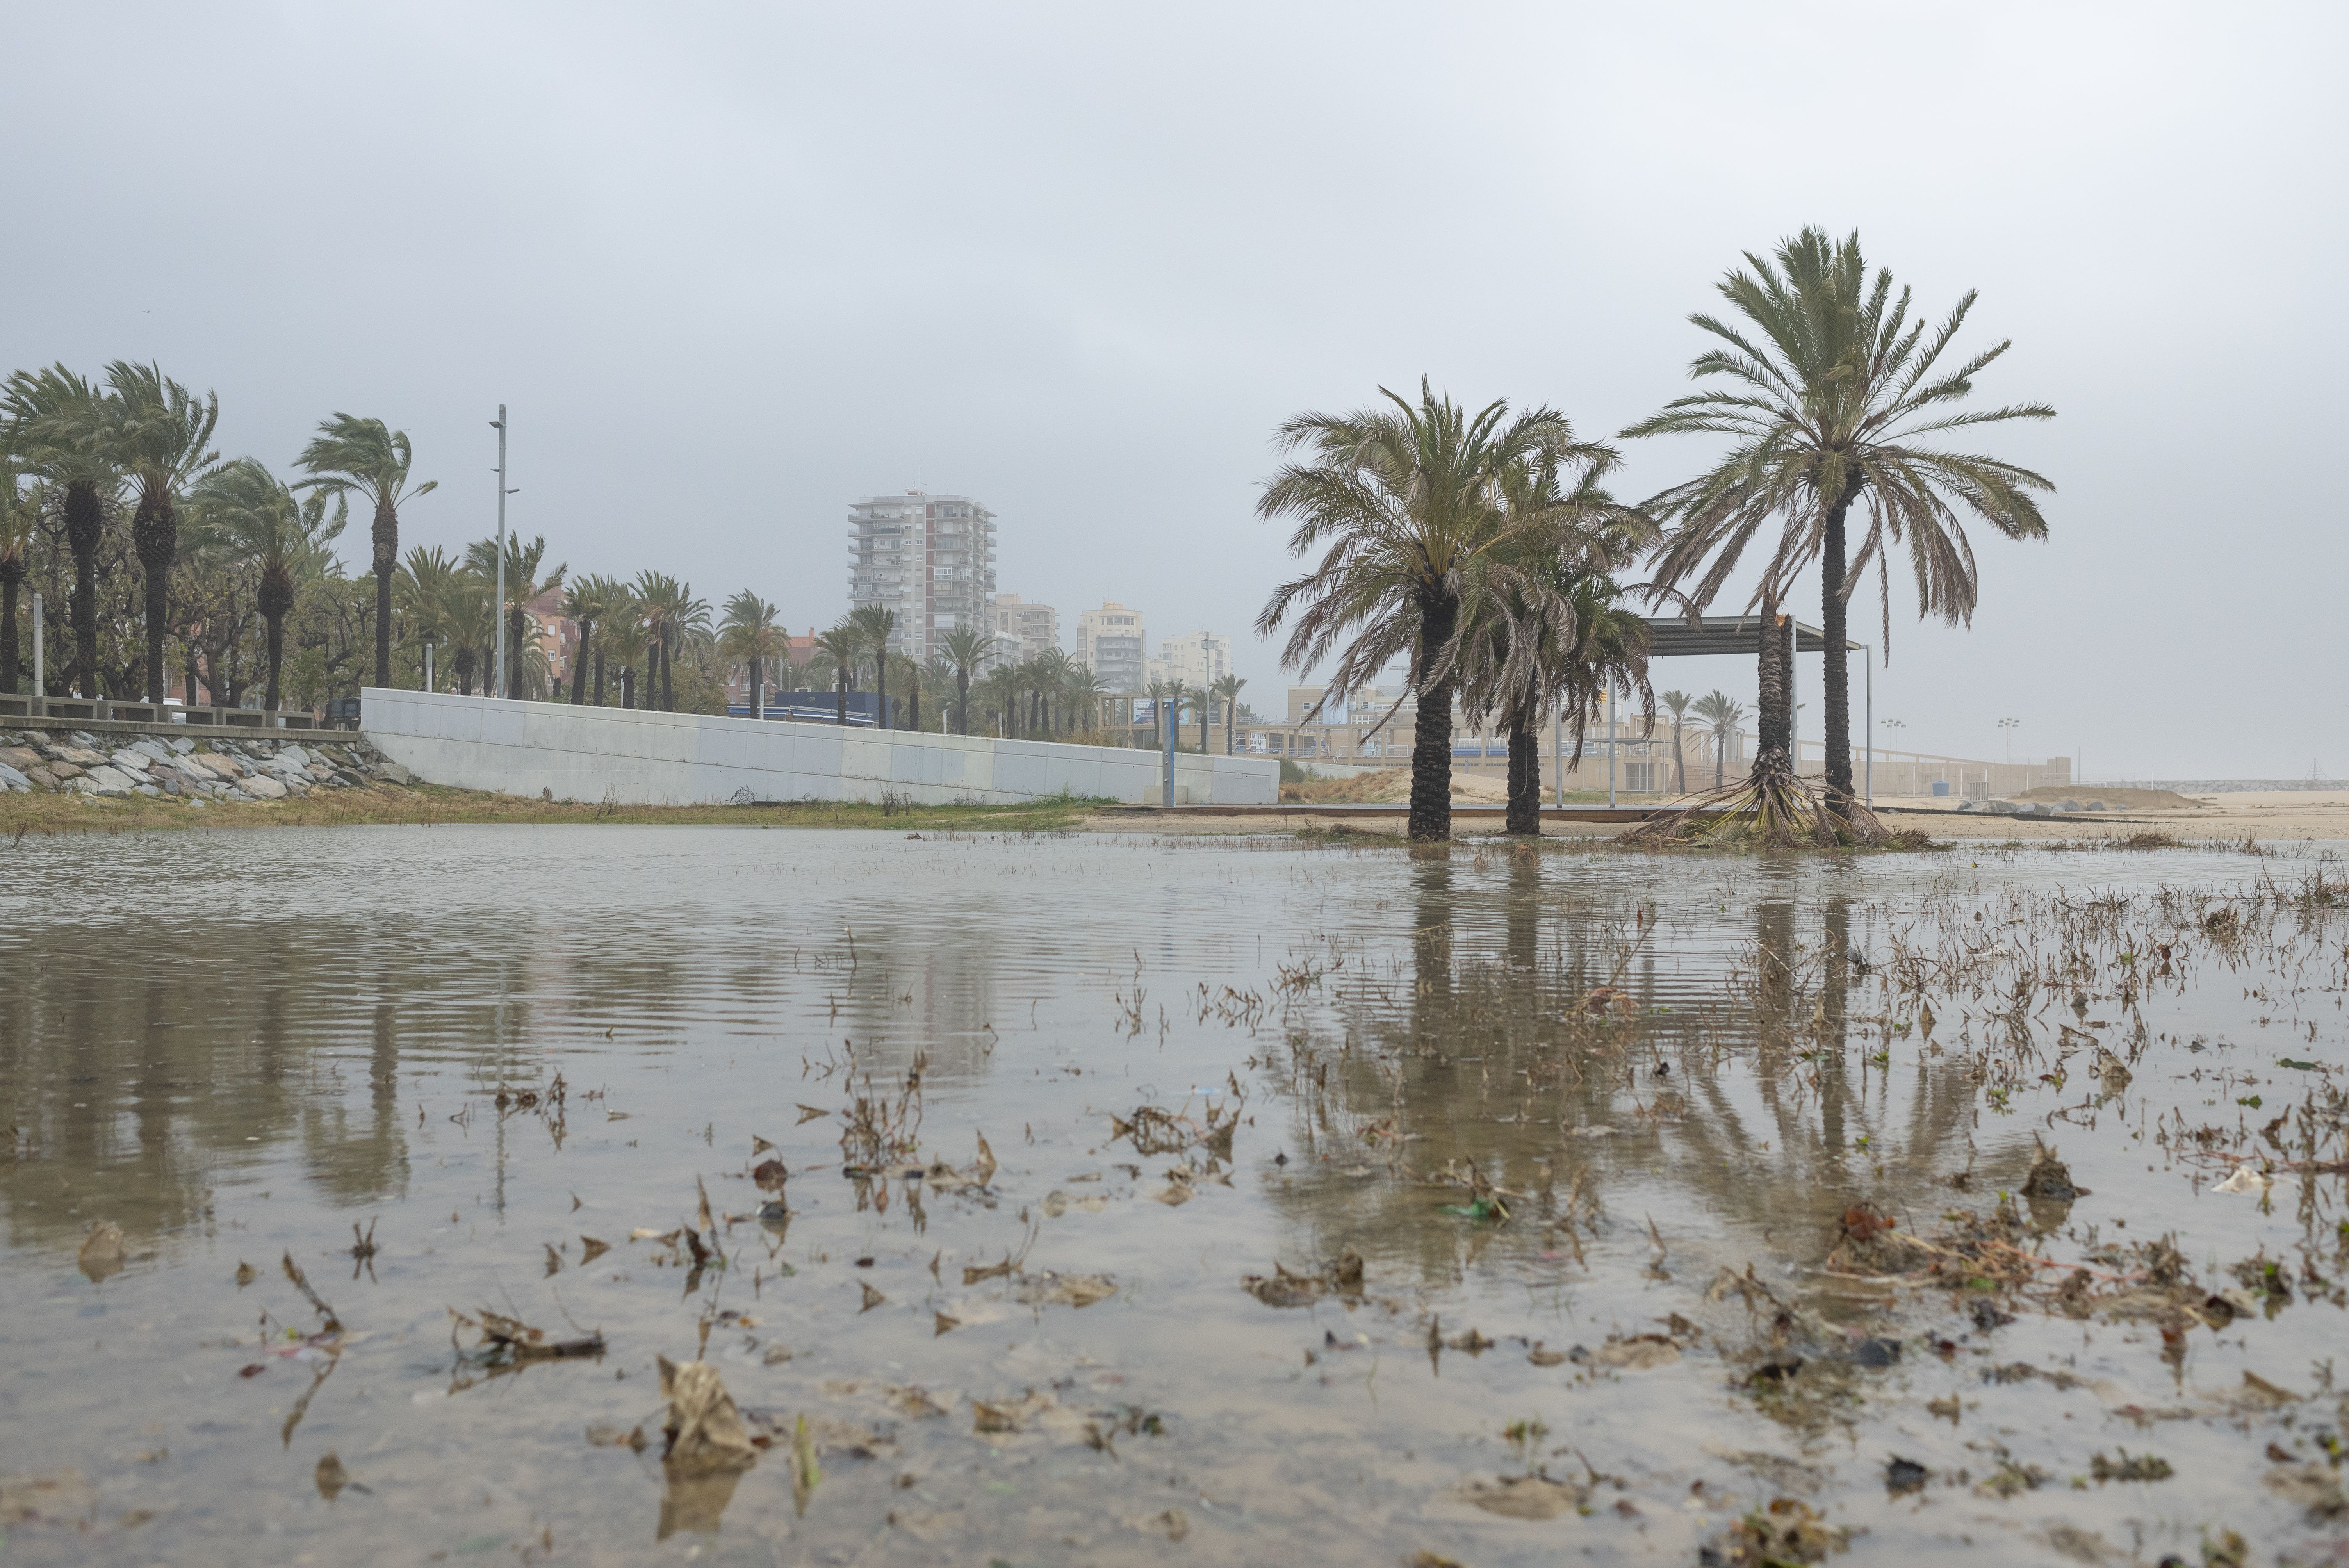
930,558
1024,630
1197,659
1111,644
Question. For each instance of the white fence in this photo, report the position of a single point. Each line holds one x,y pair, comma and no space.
635,758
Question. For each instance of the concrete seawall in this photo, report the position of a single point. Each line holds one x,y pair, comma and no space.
635,758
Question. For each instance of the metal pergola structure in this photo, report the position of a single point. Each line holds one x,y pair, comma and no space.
1673,636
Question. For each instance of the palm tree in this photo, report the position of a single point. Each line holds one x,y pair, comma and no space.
1160,694
749,636
875,624
422,587
1521,646
281,534
1228,688
65,435
1608,653
1721,714
470,611
351,454
162,439
1399,502
585,601
965,649
842,644
624,642
1081,692
999,690
1677,701
523,584
1834,384
672,617
18,514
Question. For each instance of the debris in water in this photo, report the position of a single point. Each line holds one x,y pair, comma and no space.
504,1338
246,1273
2050,1179
330,1476
590,1249
2130,1466
1904,1476
2244,1180
1524,1496
704,1428
604,1435
101,1251
1342,1276
872,1298
1050,1289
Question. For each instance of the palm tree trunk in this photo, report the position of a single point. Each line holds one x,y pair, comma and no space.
1231,708
387,560
12,574
1680,762
914,705
1431,743
155,534
881,688
1832,610
513,654
84,522
1204,702
1776,719
1720,755
275,634
668,678
1525,779
599,678
188,652
755,706
840,693
579,666
627,686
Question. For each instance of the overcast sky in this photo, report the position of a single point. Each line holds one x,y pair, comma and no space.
732,267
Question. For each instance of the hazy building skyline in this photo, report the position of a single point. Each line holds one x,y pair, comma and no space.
1113,642
930,558
1025,629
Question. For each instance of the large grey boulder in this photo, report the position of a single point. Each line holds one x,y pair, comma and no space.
262,787
12,779
134,763
108,781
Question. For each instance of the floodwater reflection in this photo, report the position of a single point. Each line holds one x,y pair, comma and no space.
1593,1124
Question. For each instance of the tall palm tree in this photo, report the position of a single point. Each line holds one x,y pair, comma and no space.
1607,654
1677,701
585,601
875,624
1399,502
749,636
844,645
624,641
1521,646
421,590
162,439
1162,696
965,649
1228,688
1721,714
1082,692
18,512
280,535
1833,386
469,609
64,428
999,691
524,583
673,618
365,456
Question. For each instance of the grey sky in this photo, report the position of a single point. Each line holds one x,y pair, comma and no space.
732,266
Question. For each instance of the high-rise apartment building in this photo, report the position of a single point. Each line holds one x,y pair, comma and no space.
1023,630
930,558
1197,659
1110,642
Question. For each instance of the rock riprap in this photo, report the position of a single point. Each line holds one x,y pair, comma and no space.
215,768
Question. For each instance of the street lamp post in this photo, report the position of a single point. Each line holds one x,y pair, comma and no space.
500,422
2008,726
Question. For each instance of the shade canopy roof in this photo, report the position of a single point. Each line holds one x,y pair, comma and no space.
1669,635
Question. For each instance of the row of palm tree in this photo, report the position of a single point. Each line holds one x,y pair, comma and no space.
1482,551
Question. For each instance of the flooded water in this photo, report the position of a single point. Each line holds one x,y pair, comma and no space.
1489,1207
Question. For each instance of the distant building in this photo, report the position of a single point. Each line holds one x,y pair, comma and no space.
1025,629
930,558
1111,644
1197,659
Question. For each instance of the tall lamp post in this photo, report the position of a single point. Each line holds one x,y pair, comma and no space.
500,424
2008,726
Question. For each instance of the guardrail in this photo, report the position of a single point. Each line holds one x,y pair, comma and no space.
54,711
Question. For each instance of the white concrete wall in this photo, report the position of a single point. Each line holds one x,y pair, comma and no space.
635,758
